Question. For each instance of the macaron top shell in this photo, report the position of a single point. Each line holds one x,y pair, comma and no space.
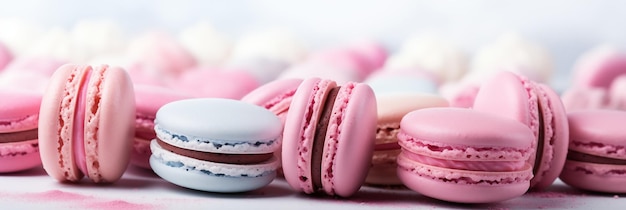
598,132
19,110
218,125
108,123
433,125
520,103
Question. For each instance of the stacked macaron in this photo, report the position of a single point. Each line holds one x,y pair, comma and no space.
19,113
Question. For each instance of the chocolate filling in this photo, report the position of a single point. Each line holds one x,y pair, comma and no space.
587,158
216,157
320,138
540,142
18,136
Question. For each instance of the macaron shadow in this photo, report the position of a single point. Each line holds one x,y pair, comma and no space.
123,183
274,189
36,171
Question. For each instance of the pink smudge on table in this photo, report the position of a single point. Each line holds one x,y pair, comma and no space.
57,195
117,204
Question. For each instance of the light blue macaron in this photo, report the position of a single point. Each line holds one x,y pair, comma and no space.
216,145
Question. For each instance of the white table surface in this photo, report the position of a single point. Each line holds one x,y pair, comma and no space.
142,189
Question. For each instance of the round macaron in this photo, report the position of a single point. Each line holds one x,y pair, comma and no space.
596,160
19,147
540,108
599,67
148,99
215,83
274,96
329,137
391,109
461,155
86,123
215,145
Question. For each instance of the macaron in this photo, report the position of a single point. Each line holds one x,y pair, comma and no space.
465,156
596,160
538,107
275,96
215,83
599,67
329,137
391,109
215,145
148,99
87,123
162,53
19,115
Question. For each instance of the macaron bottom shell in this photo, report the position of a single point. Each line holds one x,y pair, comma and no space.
595,177
27,158
463,186
188,176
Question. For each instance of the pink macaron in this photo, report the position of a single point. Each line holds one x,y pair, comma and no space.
329,137
215,83
34,64
19,114
148,100
162,53
391,109
464,156
86,123
599,67
274,96
537,106
596,160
